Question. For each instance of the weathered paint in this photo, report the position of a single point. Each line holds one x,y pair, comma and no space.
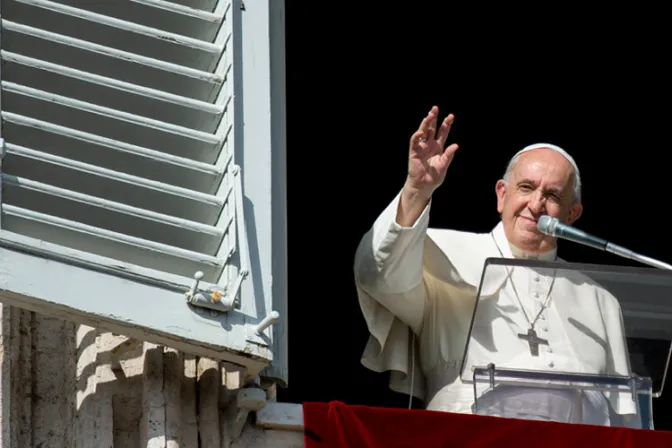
125,307
124,140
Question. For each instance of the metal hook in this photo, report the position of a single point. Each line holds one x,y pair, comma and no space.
267,322
194,286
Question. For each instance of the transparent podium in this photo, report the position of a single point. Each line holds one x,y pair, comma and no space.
569,342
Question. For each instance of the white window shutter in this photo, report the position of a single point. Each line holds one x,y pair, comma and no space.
120,169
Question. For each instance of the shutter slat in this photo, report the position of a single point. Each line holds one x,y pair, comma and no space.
196,12
114,94
107,112
117,119
110,215
100,241
123,157
123,25
121,34
14,32
205,5
158,14
154,94
121,187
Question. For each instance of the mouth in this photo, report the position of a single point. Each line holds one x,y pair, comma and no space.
527,218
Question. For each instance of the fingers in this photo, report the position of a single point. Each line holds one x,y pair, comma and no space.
416,138
428,131
428,125
445,129
449,152
434,113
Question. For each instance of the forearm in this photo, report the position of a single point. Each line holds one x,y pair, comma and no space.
412,202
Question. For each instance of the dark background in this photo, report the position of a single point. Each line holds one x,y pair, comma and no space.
360,77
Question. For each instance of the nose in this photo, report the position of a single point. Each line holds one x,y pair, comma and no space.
537,203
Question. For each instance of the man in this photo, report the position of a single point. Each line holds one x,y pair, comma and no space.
417,289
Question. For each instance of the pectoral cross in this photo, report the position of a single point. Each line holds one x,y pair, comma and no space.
533,341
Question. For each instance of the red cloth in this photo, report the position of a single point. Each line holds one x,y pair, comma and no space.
336,425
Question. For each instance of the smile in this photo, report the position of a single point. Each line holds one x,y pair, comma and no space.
526,218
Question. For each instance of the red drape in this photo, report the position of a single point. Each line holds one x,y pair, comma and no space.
336,425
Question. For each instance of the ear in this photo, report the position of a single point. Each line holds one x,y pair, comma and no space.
574,213
500,191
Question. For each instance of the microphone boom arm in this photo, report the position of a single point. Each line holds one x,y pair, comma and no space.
627,253
553,227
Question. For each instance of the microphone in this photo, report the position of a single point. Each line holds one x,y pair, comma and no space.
553,227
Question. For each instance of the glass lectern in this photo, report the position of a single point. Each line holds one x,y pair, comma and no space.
569,342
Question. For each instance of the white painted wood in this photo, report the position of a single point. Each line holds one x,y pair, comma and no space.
122,220
202,169
261,94
94,239
212,78
124,25
206,5
185,10
115,175
112,83
137,310
97,263
56,192
169,16
148,123
2,153
144,141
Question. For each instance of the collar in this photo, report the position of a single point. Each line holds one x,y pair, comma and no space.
511,251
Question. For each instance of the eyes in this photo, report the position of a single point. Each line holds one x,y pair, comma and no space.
528,188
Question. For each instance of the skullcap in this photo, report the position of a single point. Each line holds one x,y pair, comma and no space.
554,148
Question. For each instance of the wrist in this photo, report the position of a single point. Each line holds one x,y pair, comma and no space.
412,202
414,194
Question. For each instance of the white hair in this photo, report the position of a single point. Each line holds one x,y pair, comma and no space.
576,177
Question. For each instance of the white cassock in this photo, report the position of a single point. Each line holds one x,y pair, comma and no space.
417,289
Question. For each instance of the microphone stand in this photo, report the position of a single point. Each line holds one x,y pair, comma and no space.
553,227
627,253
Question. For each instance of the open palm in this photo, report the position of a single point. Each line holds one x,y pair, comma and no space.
428,161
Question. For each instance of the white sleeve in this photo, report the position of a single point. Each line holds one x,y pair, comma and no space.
388,277
388,266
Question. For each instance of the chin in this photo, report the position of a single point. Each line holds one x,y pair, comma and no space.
530,242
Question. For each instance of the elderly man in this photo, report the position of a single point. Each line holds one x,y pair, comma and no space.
417,289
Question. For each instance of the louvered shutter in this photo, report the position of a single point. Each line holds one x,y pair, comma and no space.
118,126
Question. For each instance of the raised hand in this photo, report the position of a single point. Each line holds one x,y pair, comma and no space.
428,161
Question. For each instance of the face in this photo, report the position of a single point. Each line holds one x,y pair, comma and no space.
540,184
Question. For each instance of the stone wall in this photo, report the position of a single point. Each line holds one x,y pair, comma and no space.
66,385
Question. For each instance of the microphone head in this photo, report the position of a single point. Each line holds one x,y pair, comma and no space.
546,225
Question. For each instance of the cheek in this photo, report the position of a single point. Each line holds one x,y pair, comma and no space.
557,211
515,205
